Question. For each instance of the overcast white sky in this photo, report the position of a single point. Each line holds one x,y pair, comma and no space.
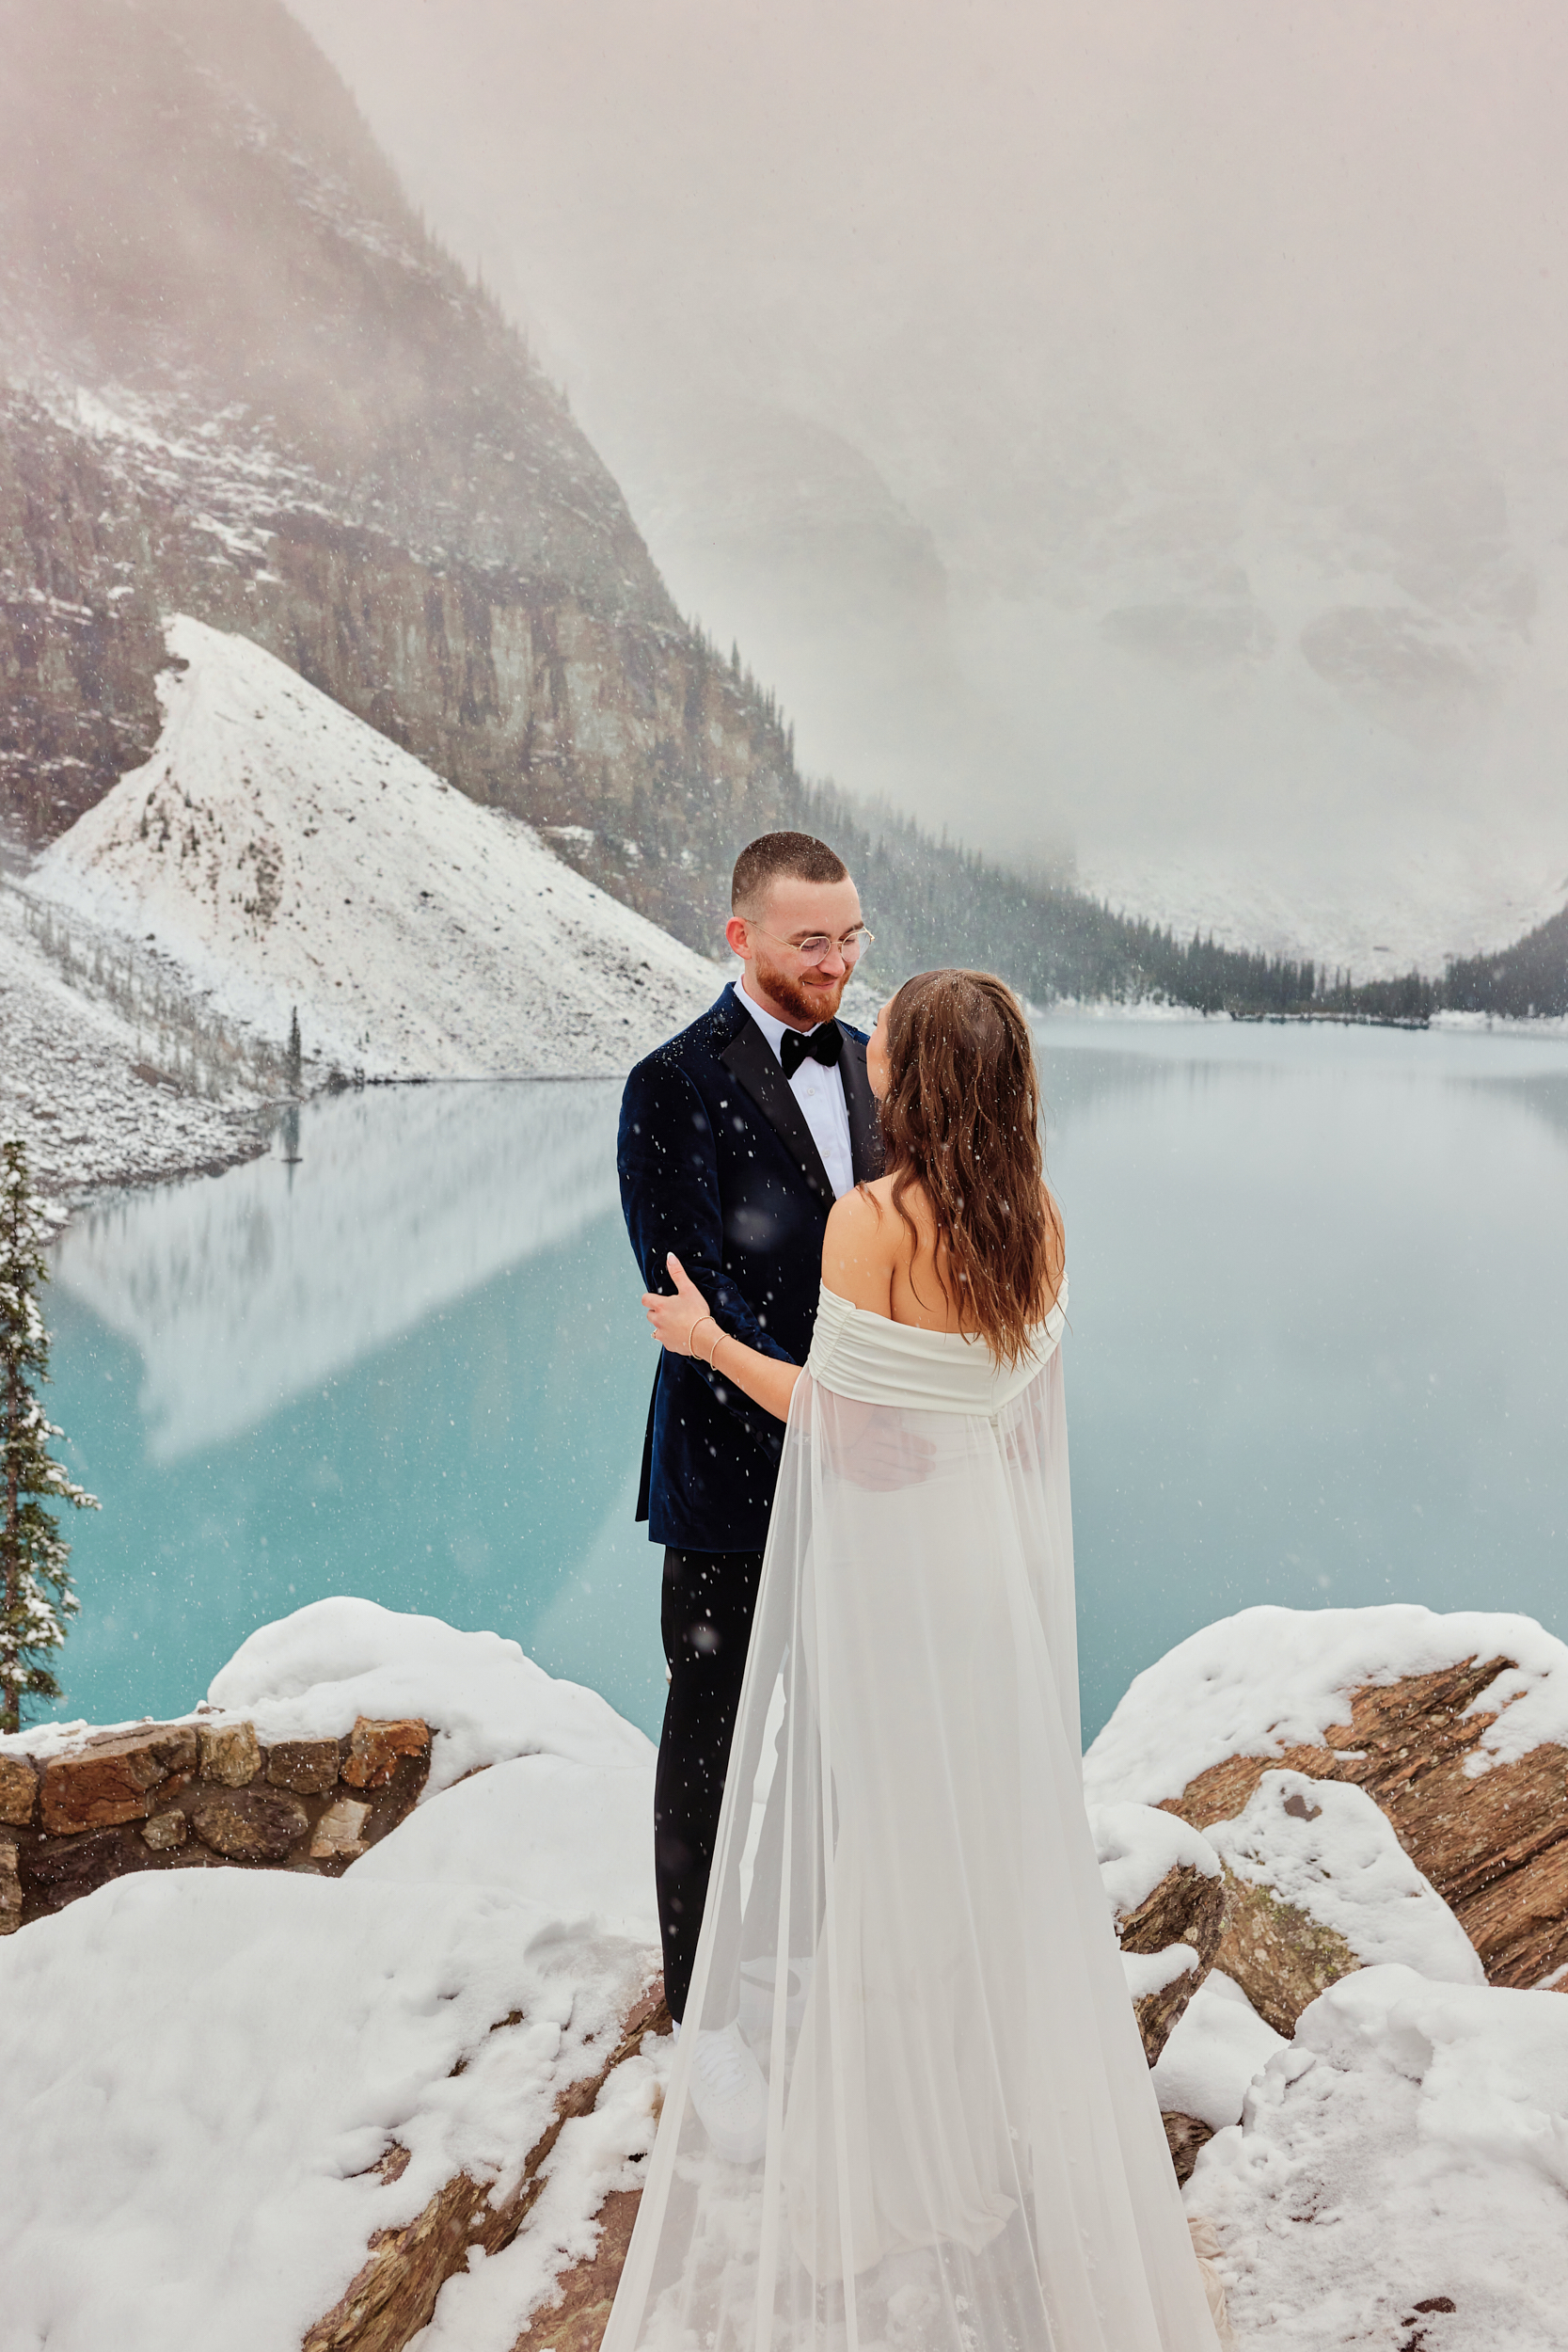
1130,428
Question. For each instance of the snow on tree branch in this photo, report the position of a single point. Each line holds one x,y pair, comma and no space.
37,1602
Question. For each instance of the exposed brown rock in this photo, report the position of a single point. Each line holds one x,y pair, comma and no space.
393,2295
373,1749
56,1871
19,1790
1519,1922
108,1780
1185,1908
577,2320
1495,1846
339,1831
11,1888
249,1825
1281,1958
1184,2136
306,1767
166,1831
231,1753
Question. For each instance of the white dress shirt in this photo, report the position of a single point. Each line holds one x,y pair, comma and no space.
819,1092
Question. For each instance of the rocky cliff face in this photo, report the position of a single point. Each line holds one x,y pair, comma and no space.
240,381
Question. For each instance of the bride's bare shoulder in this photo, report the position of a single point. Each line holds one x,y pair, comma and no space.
858,1218
859,1247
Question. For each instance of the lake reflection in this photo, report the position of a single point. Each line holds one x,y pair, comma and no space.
1320,1294
411,1366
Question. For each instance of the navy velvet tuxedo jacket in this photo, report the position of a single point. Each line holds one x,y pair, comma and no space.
717,1164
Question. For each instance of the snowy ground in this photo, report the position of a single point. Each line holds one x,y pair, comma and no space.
1399,2177
202,2069
1396,2175
1220,2043
286,855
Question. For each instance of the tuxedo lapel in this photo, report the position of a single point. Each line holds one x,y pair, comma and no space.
749,1059
865,1126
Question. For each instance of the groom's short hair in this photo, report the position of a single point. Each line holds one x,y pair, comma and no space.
762,862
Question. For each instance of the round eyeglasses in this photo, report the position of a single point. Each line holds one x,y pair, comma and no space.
819,947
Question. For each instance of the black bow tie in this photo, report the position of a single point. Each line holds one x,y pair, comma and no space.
825,1045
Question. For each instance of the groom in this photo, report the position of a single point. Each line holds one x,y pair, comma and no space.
737,1137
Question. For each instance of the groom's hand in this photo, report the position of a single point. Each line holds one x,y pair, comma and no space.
674,1320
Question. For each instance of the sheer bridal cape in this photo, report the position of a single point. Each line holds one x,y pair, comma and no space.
964,2151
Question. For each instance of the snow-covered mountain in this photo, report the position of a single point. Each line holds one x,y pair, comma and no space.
1409,905
286,855
84,1077
238,380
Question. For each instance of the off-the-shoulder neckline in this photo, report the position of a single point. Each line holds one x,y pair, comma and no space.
917,1330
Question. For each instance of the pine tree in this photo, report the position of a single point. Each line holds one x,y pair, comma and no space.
35,1600
293,1055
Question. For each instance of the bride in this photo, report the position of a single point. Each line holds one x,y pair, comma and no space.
907,1969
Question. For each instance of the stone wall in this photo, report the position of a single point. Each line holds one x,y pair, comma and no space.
196,1795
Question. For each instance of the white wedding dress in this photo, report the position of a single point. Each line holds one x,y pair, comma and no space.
964,2151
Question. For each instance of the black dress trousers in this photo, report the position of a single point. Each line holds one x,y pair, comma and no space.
706,1620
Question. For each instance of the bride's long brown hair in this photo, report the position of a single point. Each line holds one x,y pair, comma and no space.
962,1119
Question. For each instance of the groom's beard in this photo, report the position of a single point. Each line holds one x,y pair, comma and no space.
811,997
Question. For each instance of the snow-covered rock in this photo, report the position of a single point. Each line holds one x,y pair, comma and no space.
581,1829
204,2069
1164,1884
310,1676
216,2088
1456,1724
1216,2047
1400,2173
1326,1850
1137,1846
1271,1678
285,854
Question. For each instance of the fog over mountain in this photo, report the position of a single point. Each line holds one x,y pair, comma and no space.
1129,433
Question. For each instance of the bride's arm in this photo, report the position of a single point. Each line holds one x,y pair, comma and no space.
686,1325
857,1262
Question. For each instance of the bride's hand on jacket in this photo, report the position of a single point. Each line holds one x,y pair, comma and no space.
687,1325
675,1318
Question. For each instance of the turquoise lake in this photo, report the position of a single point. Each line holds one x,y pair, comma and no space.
1318,1354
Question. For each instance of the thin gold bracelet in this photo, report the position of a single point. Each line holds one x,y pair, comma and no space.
696,1328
